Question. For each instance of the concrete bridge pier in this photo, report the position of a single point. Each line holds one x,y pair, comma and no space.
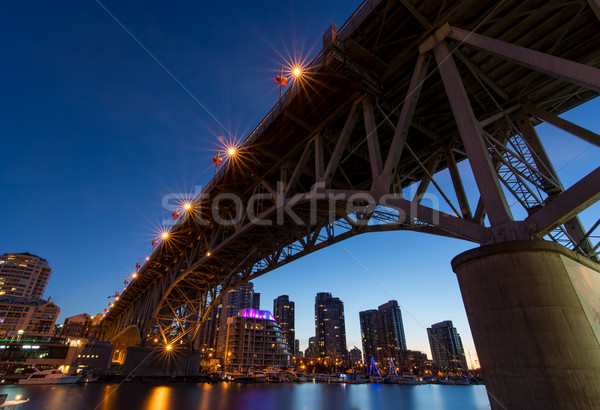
534,311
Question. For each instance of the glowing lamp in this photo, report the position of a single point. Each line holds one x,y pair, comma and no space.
168,347
231,151
165,235
187,206
297,72
207,253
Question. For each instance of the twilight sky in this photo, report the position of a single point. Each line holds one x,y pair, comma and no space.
96,133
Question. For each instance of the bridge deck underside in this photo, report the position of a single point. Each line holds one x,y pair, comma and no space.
361,79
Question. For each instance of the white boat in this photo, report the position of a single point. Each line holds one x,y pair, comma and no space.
11,404
51,376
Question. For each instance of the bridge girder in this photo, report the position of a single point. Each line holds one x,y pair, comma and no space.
355,149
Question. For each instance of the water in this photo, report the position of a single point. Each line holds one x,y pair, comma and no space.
224,396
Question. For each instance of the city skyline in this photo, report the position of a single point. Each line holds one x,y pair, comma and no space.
102,137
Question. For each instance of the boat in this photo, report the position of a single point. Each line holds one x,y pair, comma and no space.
357,379
255,377
11,404
50,376
88,374
409,379
274,376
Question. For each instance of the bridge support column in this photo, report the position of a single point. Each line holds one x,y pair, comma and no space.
534,311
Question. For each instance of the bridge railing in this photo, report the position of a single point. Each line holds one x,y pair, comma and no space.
347,28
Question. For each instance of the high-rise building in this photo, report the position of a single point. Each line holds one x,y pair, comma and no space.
446,346
391,332
283,310
368,333
311,350
23,274
256,301
254,340
23,279
330,326
297,348
235,300
382,334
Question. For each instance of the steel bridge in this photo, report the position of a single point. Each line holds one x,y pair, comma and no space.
404,90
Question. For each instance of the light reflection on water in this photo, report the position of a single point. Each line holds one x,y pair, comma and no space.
304,396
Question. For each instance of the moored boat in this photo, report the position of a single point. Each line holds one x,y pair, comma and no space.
50,376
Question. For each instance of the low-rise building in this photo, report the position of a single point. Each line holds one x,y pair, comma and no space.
82,326
255,341
26,317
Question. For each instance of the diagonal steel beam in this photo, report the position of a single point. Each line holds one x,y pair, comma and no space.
595,6
577,73
470,132
406,115
372,138
459,188
567,204
563,124
338,151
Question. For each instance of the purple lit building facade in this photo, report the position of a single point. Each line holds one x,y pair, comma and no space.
254,340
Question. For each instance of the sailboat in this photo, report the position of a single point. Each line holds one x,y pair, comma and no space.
392,376
372,377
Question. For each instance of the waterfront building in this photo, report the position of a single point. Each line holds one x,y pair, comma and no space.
446,346
415,361
382,334
283,310
368,333
330,327
392,341
297,348
254,340
93,354
82,326
23,274
235,300
355,357
27,317
311,350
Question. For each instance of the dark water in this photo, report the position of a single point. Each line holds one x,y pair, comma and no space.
309,396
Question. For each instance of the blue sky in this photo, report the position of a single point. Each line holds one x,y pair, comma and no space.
95,134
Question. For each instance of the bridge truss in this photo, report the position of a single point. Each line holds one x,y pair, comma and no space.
403,92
